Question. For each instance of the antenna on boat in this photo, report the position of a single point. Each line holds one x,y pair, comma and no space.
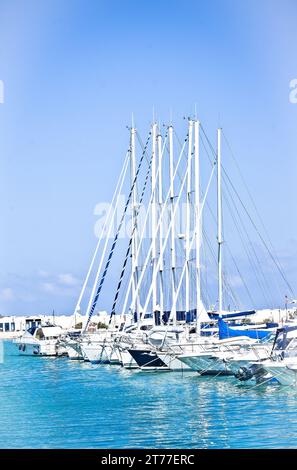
170,116
219,216
195,112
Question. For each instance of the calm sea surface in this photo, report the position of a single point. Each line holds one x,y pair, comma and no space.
58,403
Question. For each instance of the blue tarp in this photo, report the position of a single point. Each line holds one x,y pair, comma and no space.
216,315
226,332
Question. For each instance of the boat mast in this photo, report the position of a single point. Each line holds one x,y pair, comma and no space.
219,216
108,220
198,222
160,201
188,215
154,219
108,225
134,260
172,248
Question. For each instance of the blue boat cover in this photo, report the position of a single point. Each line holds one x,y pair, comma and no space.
216,315
226,332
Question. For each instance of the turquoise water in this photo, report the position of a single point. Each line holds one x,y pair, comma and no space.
58,403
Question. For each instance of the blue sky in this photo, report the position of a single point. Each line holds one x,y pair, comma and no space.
73,72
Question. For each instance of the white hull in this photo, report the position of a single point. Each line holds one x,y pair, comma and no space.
285,372
127,360
284,376
73,353
42,348
97,353
172,362
114,357
205,364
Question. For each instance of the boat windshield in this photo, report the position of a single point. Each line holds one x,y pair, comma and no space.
32,330
39,334
282,342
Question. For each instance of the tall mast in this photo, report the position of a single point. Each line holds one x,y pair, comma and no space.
134,260
198,222
154,218
160,201
188,215
219,216
172,247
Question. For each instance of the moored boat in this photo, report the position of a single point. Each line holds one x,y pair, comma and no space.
39,341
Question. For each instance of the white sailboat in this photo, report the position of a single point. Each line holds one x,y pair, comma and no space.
163,292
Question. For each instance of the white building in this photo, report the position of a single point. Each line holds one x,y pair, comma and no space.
14,326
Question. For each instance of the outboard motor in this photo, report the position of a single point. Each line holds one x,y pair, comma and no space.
254,371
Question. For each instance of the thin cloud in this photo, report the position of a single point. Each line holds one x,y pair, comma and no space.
6,294
43,273
48,286
68,280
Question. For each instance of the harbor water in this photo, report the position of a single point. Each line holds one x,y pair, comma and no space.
59,403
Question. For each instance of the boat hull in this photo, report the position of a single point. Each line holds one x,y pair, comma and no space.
206,364
147,360
97,353
36,349
173,363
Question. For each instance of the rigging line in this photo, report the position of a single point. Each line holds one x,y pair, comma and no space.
210,160
131,240
204,277
240,275
248,191
141,238
253,203
109,216
176,293
213,255
246,249
179,177
231,292
141,144
227,287
117,235
148,161
242,230
256,265
275,261
253,264
260,236
165,241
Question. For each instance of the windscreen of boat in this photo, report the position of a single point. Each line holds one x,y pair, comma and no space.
32,330
282,342
39,334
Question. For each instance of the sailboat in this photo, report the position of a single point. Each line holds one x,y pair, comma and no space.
164,323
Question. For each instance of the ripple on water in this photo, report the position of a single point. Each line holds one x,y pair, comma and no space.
58,403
